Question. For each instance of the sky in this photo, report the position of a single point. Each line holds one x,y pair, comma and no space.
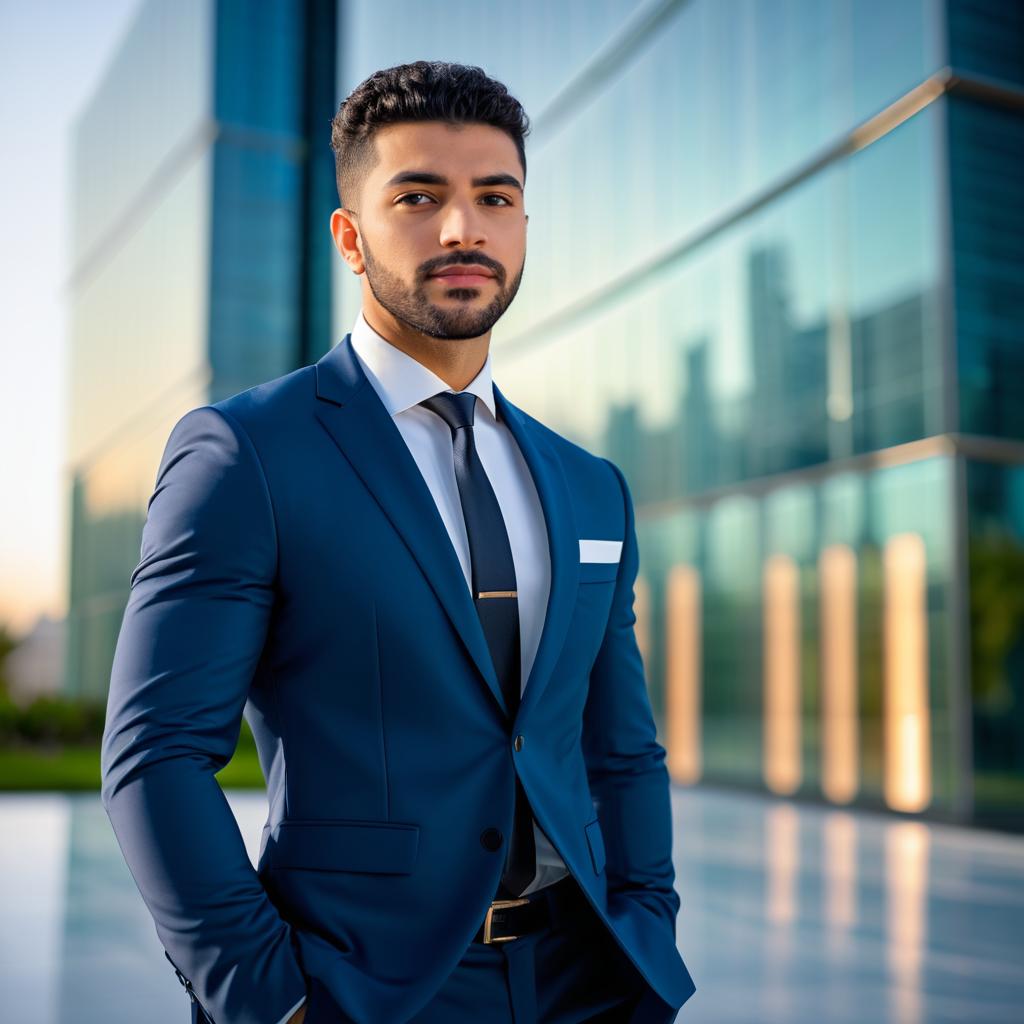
52,55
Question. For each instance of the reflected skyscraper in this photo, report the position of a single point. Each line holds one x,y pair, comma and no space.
201,260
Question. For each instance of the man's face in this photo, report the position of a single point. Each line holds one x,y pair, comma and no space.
441,199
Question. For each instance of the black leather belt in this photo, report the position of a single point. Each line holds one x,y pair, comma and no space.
506,920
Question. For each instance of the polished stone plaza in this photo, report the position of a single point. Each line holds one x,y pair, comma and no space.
790,914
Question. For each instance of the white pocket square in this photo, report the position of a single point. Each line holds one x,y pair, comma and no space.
600,550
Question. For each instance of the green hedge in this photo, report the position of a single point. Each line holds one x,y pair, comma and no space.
54,744
73,768
51,720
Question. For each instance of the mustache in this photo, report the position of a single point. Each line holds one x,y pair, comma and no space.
463,258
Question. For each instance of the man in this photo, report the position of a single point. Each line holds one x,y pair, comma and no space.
422,600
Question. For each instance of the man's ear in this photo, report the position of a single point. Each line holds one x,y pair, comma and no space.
345,232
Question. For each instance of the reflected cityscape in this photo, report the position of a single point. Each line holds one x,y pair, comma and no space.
775,272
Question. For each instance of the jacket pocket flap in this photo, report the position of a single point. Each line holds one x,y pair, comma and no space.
596,843
378,847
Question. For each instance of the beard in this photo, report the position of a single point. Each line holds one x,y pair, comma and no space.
413,308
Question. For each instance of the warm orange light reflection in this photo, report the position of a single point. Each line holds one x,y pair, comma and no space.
906,890
782,858
837,573
906,714
683,673
839,865
781,674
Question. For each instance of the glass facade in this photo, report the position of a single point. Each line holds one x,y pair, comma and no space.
987,157
985,133
195,271
775,273
995,500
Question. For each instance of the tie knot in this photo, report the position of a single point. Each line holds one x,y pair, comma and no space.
455,409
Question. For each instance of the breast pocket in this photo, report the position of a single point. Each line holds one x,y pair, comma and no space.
598,572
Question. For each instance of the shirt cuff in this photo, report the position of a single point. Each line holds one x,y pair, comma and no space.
286,1017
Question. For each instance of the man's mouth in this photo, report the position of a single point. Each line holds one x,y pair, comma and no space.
467,275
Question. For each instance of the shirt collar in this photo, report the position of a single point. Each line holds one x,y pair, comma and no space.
401,381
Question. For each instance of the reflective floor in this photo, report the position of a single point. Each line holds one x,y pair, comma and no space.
789,914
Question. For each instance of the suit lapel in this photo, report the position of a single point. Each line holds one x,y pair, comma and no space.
563,545
352,413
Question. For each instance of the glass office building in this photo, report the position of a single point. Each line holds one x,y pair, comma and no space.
196,197
774,272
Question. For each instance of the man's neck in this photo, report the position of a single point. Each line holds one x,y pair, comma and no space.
456,361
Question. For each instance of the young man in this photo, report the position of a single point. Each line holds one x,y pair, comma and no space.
422,600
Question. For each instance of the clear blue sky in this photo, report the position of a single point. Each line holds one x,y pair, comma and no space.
52,54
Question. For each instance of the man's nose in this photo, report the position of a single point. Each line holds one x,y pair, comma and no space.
462,225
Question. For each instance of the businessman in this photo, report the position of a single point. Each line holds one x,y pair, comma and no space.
421,599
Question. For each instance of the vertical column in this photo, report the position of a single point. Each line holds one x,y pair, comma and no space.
906,723
782,674
683,660
837,574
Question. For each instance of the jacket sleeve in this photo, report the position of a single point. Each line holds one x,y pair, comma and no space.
190,639
625,762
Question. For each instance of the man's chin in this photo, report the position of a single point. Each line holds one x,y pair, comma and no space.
445,328
451,335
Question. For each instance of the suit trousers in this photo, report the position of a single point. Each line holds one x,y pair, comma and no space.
569,972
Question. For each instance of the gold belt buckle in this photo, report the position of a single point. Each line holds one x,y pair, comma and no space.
487,919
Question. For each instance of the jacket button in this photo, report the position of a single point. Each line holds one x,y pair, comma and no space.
519,742
491,839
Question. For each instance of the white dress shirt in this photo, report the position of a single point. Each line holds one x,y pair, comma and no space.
402,383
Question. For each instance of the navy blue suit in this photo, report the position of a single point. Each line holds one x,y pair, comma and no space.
294,568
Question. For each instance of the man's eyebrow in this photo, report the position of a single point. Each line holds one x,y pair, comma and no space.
430,178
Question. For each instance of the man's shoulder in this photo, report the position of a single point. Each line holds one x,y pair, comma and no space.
270,402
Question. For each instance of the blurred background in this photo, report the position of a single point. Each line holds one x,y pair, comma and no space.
775,272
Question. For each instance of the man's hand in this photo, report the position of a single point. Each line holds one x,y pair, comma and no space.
298,1016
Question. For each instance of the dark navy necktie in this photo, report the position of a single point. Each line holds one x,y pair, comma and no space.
496,598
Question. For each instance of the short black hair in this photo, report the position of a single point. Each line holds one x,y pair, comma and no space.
422,91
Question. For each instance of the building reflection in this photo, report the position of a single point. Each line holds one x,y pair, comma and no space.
791,913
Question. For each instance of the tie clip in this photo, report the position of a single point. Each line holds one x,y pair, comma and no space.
498,593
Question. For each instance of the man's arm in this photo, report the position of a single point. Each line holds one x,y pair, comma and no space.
190,640
625,762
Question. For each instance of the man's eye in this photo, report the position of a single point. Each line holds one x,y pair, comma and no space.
503,200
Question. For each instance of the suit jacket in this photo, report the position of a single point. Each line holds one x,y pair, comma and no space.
294,569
